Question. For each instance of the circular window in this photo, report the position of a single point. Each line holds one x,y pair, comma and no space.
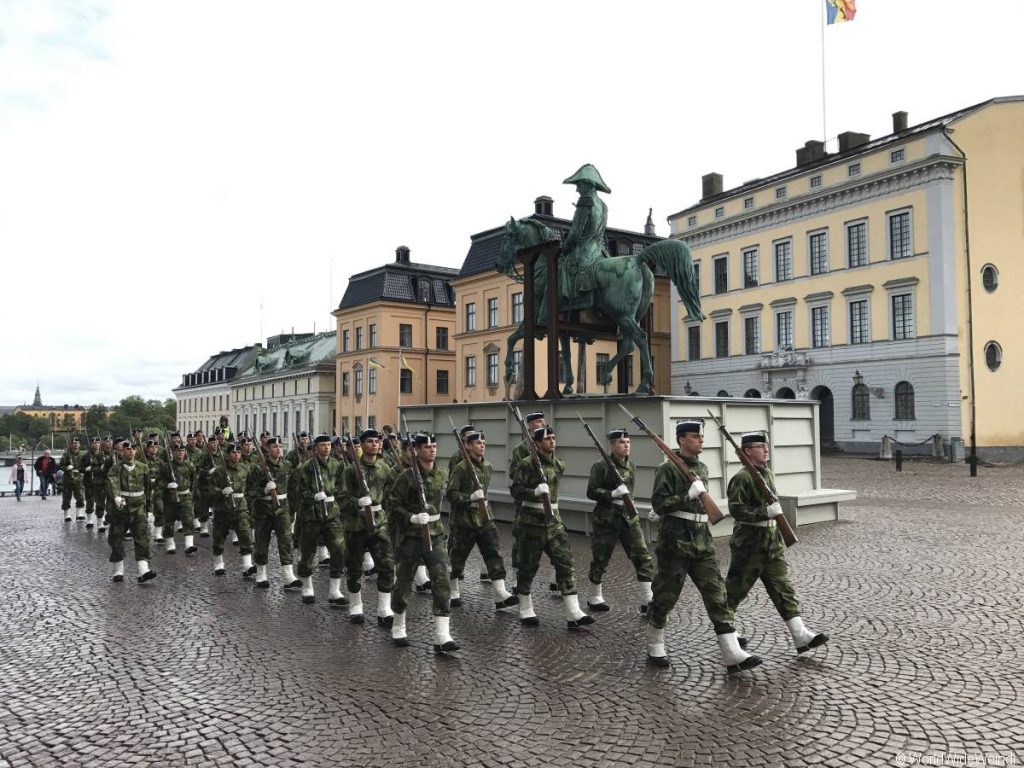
990,277
993,355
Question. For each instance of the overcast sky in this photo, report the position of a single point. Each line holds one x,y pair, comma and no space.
166,167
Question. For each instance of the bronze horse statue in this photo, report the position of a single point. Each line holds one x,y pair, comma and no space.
623,289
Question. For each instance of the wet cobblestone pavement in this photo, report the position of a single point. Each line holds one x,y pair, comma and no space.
919,585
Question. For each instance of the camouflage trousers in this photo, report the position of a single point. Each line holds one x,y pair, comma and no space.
72,488
609,531
158,510
267,523
227,519
409,555
135,519
203,503
330,533
747,566
97,496
90,500
486,539
514,556
552,540
180,511
378,543
677,560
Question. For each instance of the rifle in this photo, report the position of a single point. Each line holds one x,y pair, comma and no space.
418,476
266,472
483,510
549,513
788,534
319,508
627,500
710,507
170,465
357,465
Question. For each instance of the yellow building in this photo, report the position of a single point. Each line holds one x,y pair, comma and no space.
879,280
59,416
395,328
490,307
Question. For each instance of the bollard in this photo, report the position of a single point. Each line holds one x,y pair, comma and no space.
899,459
938,452
886,452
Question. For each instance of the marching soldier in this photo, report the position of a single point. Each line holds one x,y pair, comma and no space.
534,421
539,535
297,454
177,483
71,464
129,491
248,449
151,458
92,462
367,532
467,530
685,548
757,549
192,449
270,516
99,478
207,466
231,513
612,526
319,517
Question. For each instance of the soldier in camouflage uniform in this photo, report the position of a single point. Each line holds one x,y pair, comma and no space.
129,491
270,519
363,535
231,512
152,459
540,535
176,483
466,529
685,548
192,449
93,459
99,482
412,517
757,549
534,421
611,525
207,466
319,519
71,464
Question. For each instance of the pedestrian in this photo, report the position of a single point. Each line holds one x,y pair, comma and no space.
757,549
46,469
18,474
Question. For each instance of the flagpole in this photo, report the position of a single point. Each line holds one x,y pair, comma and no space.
824,127
398,425
366,424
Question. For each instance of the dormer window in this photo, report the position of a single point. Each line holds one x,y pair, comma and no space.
423,289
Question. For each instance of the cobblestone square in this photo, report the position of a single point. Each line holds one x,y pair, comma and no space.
919,586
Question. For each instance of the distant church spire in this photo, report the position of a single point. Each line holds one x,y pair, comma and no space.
38,401
649,226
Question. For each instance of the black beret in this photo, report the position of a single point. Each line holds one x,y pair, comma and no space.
94,440
303,434
230,447
151,443
75,440
189,435
424,438
406,441
368,434
542,432
273,440
472,437
615,434
690,425
534,416
464,429
124,443
178,447
321,439
108,437
154,435
751,438
175,434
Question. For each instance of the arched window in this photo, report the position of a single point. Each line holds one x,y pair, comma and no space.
752,393
786,394
990,277
861,405
993,355
722,393
904,400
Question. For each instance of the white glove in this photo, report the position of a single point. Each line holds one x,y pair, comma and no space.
696,489
477,495
652,515
542,490
227,490
419,519
364,501
212,470
774,510
119,502
319,496
88,469
172,486
619,492
270,486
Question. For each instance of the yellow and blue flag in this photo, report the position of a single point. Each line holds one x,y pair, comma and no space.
405,363
838,11
374,363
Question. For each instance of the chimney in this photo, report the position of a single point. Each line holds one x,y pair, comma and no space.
649,225
544,206
711,185
402,254
899,122
852,140
810,152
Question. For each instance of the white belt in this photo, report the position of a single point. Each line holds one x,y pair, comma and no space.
375,508
538,505
182,493
759,523
280,497
618,502
329,498
237,495
132,494
691,516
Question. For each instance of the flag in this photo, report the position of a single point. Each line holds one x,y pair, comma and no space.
839,11
374,363
405,363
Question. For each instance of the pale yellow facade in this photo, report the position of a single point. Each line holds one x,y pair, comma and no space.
59,418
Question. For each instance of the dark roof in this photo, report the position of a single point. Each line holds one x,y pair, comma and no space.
396,282
485,246
911,133
234,358
305,354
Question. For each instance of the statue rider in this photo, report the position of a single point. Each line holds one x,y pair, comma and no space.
584,242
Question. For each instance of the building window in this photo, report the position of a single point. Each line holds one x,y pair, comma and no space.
405,381
752,334
719,212
373,335
860,329
471,371
359,382
780,193
492,313
359,424
310,414
819,327
748,203
371,381
990,277
902,316
897,156
751,268
284,429
817,245
359,338
492,369
371,421
693,342
993,355
691,221
602,364
784,330
721,274
722,339
853,169
696,277
344,384
861,403
471,316
784,260
900,245
442,338
405,335
442,382
273,423
904,401
857,244
517,308
517,364
561,369
423,289
815,181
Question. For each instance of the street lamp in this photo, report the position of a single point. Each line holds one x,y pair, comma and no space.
687,389
857,378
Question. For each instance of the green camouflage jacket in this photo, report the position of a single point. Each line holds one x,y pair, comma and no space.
466,514
379,478
525,478
404,499
603,482
260,502
748,505
184,474
130,482
235,476
306,487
